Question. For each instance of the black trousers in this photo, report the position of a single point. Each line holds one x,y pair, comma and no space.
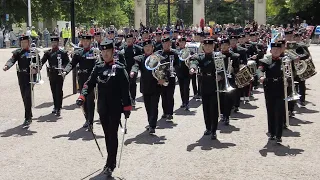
226,102
167,97
133,87
56,85
237,97
194,84
275,108
210,111
25,89
110,124
302,90
199,77
151,102
245,91
184,84
89,103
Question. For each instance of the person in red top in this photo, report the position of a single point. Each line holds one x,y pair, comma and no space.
113,98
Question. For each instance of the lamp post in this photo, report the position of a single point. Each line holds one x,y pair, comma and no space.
168,23
29,13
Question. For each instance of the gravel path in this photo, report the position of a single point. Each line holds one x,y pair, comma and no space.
59,149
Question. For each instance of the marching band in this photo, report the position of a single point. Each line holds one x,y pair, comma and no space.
224,69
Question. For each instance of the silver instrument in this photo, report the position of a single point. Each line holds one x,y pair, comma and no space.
172,73
229,69
219,65
59,68
35,79
159,70
288,73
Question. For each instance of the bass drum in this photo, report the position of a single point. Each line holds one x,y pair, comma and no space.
309,72
243,77
252,65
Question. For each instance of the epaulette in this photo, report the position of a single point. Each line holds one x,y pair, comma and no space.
137,46
158,52
138,58
175,51
253,43
242,48
119,65
17,51
236,55
78,52
267,59
47,51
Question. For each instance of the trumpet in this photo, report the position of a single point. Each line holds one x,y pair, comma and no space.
159,70
35,79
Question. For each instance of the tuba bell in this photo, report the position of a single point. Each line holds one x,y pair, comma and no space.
159,70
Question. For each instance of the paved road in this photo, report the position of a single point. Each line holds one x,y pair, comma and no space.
59,149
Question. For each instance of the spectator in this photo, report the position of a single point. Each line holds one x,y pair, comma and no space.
7,39
34,36
28,32
13,38
1,36
46,36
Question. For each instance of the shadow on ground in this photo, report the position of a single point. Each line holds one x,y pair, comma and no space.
80,133
17,131
279,150
205,143
146,138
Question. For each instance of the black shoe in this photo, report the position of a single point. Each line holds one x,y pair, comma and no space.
183,106
291,114
86,124
213,136
54,111
236,109
164,116
152,130
278,140
107,171
271,138
147,127
285,126
58,113
90,128
226,121
302,103
169,117
187,108
27,122
222,118
207,132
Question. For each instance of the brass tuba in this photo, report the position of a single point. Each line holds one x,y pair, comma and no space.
159,70
300,66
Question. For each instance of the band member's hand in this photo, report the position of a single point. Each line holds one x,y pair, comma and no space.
161,81
297,60
192,71
126,114
5,68
132,74
261,79
34,71
79,102
219,78
254,57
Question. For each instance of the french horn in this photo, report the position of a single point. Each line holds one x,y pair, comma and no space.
159,70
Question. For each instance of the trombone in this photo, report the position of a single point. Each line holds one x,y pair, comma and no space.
220,67
35,79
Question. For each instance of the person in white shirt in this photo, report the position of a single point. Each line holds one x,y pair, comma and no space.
28,32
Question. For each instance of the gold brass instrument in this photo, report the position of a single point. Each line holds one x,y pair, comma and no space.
35,79
159,70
